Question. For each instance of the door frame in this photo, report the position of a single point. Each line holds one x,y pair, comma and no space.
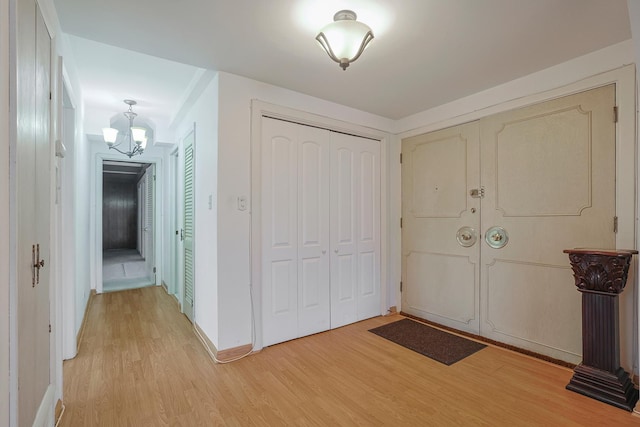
260,109
96,256
174,224
626,177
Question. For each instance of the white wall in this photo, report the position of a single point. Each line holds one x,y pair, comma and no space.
204,113
81,206
75,203
234,176
491,100
5,125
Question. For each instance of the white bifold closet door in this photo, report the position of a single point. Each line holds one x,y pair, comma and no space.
355,229
320,226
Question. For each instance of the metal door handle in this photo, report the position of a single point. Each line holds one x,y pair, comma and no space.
496,237
466,236
37,264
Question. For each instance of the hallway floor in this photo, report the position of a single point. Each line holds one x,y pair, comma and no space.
140,364
123,269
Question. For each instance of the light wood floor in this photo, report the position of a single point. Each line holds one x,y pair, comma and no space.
141,365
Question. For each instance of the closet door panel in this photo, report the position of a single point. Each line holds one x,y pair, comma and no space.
321,222
343,232
368,291
313,230
279,244
355,196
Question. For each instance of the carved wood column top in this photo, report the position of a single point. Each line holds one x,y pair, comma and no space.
600,270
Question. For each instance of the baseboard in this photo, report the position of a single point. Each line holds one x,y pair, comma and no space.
92,294
221,356
233,353
59,411
173,296
45,413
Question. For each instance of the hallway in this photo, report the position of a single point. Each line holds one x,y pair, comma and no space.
123,269
139,363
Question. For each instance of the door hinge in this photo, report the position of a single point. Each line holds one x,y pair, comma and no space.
615,224
615,114
400,158
400,286
400,222
154,270
50,96
49,327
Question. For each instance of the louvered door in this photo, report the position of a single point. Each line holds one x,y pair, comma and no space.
188,221
148,222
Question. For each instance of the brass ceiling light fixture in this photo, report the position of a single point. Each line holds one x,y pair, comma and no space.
345,38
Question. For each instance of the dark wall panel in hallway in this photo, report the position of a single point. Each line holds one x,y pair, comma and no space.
119,211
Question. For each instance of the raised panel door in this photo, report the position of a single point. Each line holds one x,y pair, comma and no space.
313,230
441,227
280,240
355,229
549,175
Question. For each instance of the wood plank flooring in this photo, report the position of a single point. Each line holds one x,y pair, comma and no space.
140,364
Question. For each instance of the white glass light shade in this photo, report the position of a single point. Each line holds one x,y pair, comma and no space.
143,143
345,39
109,135
138,134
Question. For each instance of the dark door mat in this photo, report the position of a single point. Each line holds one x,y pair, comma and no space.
438,345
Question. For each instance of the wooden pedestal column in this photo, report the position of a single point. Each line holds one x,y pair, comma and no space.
600,276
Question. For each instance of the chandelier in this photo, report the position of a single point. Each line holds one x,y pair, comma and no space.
345,39
135,136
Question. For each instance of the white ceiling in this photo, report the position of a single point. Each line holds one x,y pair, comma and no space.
426,52
108,75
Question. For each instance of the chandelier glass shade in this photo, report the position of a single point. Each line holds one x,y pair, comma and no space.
345,39
135,137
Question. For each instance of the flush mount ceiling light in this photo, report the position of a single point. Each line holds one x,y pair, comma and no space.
135,136
345,39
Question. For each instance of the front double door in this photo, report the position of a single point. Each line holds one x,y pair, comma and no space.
488,208
320,227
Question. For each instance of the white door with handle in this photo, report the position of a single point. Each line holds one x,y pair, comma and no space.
546,183
295,195
321,227
549,174
441,227
355,229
